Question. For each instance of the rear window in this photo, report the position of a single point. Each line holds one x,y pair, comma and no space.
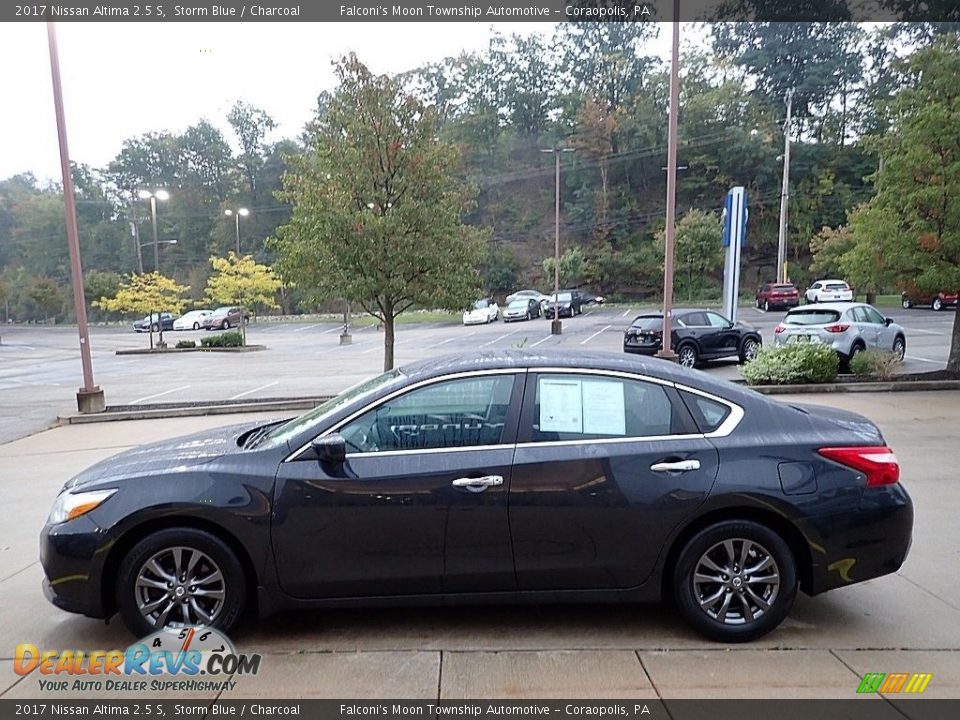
784,288
837,286
811,317
651,323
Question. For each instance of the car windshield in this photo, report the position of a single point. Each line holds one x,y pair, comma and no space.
481,304
812,317
294,427
648,322
564,297
518,304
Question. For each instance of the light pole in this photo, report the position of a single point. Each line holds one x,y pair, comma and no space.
153,197
666,352
556,327
785,194
242,212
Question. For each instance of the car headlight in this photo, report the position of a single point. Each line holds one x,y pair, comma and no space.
70,505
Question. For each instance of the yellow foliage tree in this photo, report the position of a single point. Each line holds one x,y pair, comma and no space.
147,294
242,281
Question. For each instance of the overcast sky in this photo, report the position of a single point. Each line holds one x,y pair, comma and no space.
124,79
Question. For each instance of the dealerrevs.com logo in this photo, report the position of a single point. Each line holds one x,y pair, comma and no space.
187,652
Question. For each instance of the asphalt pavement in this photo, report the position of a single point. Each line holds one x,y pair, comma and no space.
906,622
40,366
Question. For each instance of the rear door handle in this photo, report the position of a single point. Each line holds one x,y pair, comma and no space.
679,466
478,484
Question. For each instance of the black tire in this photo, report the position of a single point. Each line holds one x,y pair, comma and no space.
900,346
225,325
735,625
529,316
234,586
687,355
937,304
196,326
858,347
155,328
749,349
766,306
906,303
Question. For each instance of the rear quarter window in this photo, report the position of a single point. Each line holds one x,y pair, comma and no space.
708,414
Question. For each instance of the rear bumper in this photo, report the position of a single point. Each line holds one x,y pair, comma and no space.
870,542
641,349
780,302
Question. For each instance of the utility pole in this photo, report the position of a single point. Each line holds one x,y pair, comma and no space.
135,231
90,397
785,194
666,352
556,327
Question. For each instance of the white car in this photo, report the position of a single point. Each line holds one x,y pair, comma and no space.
483,312
829,291
528,294
192,320
848,328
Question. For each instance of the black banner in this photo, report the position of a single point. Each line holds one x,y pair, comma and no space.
486,12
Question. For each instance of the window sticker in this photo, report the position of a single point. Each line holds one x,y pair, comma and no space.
561,405
604,409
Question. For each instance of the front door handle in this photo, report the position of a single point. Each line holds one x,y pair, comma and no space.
679,466
478,484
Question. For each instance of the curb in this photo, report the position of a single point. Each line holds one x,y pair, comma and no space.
167,351
902,386
177,411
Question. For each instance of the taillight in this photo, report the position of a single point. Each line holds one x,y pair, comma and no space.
779,328
838,328
877,462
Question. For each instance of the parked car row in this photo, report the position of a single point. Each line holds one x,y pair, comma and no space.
530,304
223,318
771,295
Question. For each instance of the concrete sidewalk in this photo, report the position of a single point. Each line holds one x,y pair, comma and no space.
908,622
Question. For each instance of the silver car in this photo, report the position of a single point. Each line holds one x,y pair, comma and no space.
846,327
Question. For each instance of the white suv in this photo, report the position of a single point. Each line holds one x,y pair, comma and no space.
829,291
847,328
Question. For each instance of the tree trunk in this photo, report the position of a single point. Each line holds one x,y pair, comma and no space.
388,319
953,361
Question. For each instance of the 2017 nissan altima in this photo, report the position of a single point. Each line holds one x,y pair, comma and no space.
491,478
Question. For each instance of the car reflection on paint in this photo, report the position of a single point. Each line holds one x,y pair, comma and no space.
489,478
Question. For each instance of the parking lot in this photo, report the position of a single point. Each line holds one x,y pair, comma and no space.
907,622
40,368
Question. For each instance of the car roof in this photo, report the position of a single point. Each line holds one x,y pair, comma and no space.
831,280
837,306
677,311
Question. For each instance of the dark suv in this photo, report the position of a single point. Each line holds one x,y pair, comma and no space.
696,335
565,303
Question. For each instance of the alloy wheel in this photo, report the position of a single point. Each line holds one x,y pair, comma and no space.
900,348
180,585
736,581
687,357
750,349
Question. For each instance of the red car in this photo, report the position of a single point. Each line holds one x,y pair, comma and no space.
938,301
783,295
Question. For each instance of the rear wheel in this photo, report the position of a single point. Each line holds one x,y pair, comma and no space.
180,576
155,327
900,347
937,304
735,581
687,356
196,326
906,303
225,325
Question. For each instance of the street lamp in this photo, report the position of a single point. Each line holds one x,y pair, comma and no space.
153,197
556,327
242,212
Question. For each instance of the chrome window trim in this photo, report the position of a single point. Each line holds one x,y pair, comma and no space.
400,391
725,429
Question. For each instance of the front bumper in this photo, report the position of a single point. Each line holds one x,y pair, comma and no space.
564,312
73,556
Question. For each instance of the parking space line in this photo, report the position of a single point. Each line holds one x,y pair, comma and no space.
165,392
626,312
307,327
543,340
248,392
926,332
584,342
495,340
926,360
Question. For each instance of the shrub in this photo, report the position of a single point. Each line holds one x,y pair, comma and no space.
185,344
790,364
227,339
879,364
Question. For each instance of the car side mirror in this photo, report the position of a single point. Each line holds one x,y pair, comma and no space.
330,448
888,321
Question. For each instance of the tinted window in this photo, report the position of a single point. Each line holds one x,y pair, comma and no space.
708,413
811,317
837,286
697,319
591,407
717,320
565,297
648,323
784,288
857,314
456,413
873,316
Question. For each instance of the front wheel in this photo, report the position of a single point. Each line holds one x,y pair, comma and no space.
180,576
900,348
196,326
735,581
687,356
749,350
155,328
906,303
937,304
225,325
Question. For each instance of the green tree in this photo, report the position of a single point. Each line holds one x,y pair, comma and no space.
827,248
378,206
146,294
251,125
244,282
698,251
99,284
500,270
572,267
46,298
911,227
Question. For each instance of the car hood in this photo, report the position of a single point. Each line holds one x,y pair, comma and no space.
828,419
477,313
181,453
